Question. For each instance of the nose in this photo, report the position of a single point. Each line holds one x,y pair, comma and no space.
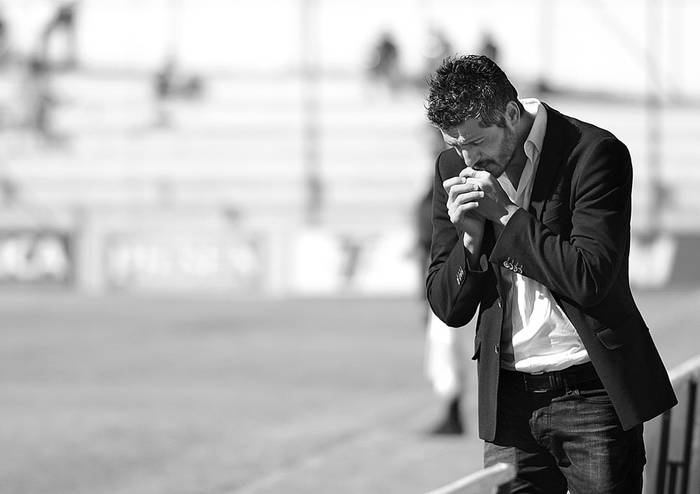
469,155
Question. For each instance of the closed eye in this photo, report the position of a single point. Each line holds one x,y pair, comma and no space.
458,147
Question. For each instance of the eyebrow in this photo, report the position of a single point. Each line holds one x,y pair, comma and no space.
466,141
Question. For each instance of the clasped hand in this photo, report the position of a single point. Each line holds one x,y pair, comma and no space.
476,195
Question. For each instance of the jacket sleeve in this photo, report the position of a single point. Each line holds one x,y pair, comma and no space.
453,287
583,266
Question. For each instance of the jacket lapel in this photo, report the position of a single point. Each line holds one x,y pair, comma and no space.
552,154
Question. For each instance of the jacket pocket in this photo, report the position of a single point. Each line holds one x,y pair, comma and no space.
610,338
626,331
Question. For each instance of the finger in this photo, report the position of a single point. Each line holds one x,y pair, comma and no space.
468,197
462,188
472,184
476,183
461,211
466,208
450,182
470,172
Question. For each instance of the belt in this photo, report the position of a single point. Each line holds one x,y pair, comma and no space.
582,376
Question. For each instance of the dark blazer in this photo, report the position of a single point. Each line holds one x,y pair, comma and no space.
575,240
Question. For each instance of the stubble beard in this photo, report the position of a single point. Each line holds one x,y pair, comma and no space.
508,155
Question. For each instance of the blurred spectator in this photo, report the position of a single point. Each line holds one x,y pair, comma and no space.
445,368
38,99
653,247
170,82
424,211
384,67
489,47
444,348
62,22
9,191
4,38
438,47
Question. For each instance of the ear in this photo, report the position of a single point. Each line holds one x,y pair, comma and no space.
512,114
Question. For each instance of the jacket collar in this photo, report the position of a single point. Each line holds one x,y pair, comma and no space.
550,160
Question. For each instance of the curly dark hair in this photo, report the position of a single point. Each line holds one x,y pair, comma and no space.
471,86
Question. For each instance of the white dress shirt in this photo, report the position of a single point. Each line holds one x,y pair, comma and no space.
542,338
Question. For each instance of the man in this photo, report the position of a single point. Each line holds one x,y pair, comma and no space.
531,225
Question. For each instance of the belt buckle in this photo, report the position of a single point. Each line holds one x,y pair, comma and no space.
536,389
554,383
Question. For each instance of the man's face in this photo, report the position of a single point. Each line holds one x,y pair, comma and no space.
482,148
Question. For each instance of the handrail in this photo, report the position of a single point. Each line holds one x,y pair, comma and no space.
680,372
488,479
481,482
673,475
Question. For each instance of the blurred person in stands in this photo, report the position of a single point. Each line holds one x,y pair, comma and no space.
489,47
444,346
653,248
384,67
38,99
436,50
170,82
4,38
62,22
531,229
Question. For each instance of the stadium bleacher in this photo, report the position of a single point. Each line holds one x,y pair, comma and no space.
227,150
241,151
240,147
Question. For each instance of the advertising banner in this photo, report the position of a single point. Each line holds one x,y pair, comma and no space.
173,261
324,262
36,257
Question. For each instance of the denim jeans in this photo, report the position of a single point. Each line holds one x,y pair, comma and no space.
566,440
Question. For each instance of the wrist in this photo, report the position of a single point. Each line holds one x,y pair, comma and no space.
472,243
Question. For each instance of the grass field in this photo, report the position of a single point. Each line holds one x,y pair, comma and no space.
124,394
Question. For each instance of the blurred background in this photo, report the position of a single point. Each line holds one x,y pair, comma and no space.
210,234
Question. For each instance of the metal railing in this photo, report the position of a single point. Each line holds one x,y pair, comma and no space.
674,446
482,482
671,472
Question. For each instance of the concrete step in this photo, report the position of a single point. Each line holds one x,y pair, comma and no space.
153,193
116,168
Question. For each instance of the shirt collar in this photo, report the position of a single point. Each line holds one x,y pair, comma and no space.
533,148
535,139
